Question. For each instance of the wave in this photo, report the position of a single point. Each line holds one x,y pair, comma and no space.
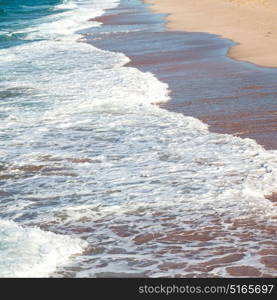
31,252
83,143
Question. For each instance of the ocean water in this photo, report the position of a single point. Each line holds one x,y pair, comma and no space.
95,180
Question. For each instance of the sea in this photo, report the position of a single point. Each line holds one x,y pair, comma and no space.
96,180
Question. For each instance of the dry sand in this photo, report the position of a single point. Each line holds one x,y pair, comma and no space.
252,24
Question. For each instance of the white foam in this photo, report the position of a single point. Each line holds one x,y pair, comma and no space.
72,101
66,24
31,252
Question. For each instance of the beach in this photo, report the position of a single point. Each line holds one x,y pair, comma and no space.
232,97
131,150
250,24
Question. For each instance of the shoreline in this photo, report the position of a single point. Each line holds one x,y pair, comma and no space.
204,83
175,12
250,24
230,96
103,178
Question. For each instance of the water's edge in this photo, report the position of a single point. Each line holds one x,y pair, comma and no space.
96,181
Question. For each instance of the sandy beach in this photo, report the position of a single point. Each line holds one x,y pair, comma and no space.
130,150
230,96
250,24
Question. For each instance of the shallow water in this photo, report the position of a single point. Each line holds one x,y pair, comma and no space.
138,190
230,96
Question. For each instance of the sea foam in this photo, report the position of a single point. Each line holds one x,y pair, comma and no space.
85,150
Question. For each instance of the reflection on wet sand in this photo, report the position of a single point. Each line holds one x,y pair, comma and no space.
231,97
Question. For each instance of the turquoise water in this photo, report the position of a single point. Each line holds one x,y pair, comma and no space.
89,167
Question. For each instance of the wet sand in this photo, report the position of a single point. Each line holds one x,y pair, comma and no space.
249,23
230,96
